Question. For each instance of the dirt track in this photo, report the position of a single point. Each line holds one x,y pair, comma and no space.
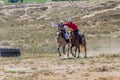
50,66
103,67
102,11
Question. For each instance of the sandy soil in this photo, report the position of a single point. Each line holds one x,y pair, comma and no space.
51,67
102,67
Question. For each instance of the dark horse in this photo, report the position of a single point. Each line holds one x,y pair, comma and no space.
61,43
75,42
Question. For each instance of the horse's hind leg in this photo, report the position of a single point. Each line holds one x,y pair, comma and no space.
71,50
85,52
75,50
68,50
59,51
85,48
63,48
78,51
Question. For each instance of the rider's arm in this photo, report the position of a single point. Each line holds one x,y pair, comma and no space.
61,28
70,29
67,26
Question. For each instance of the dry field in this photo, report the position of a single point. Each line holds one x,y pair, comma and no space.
50,67
28,27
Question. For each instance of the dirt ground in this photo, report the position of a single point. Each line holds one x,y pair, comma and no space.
48,66
51,67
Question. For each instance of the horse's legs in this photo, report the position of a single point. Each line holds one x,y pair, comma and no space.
71,50
85,51
63,49
85,48
78,51
75,50
68,51
59,51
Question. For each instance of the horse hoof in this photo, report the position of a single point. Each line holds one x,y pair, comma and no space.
68,56
74,55
60,55
85,57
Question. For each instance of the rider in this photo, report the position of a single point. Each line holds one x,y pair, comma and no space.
62,28
73,27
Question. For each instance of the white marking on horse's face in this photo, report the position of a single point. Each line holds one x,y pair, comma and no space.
57,33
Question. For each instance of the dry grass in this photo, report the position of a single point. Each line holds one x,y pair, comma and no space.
33,33
34,36
49,66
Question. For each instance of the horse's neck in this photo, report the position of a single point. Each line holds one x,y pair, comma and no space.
72,35
74,38
61,39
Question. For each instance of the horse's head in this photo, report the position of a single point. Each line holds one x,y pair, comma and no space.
59,33
60,40
60,36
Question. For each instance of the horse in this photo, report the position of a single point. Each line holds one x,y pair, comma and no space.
61,43
75,42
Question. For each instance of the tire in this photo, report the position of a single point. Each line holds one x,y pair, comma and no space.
9,52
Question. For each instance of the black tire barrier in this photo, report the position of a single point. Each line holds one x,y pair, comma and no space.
9,52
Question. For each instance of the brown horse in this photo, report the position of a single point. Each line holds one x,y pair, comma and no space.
75,42
61,43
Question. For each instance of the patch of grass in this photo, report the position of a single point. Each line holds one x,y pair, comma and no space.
44,71
11,71
21,72
82,62
1,69
15,71
20,78
8,60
